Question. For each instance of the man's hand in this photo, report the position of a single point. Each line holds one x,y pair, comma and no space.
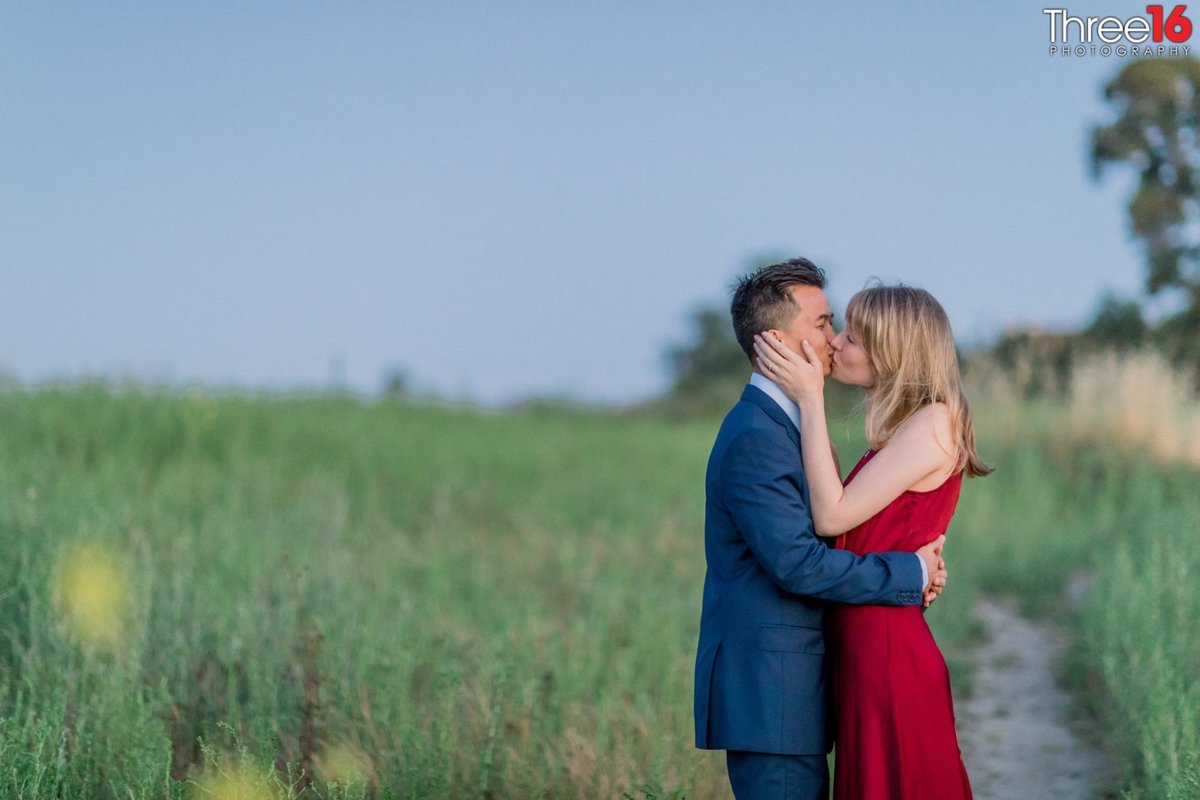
932,553
936,584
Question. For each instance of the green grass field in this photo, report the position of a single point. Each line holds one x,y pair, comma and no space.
235,597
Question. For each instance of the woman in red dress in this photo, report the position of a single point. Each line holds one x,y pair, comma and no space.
896,738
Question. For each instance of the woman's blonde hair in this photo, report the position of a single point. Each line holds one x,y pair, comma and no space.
906,335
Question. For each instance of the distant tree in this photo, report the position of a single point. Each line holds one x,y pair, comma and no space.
1039,362
395,384
708,369
1157,105
1178,337
1118,325
711,354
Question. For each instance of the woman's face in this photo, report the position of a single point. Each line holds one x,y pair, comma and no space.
850,362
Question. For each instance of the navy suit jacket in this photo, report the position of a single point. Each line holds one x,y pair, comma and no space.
761,682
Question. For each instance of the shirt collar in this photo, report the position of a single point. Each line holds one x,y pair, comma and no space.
772,390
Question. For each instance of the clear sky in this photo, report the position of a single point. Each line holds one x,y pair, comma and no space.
517,198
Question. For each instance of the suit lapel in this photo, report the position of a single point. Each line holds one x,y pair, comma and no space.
752,394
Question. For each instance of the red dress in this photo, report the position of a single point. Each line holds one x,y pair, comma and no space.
895,718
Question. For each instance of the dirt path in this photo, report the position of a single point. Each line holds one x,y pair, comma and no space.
1015,733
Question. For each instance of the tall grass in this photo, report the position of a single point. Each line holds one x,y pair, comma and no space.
465,604
319,597
1140,403
1111,491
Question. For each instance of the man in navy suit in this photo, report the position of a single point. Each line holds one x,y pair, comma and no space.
761,682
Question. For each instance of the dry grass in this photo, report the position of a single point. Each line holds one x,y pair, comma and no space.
1138,402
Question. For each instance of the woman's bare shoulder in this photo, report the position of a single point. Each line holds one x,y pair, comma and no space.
930,425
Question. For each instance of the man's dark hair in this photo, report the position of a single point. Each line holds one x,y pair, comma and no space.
763,299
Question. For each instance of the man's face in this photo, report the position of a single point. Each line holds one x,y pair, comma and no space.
814,324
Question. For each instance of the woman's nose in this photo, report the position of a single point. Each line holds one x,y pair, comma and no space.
836,344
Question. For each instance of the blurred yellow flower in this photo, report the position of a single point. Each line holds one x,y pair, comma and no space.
90,595
344,764
239,783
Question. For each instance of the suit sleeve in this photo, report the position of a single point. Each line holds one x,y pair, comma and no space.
762,493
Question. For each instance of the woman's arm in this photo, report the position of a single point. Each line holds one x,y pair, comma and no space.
820,468
917,450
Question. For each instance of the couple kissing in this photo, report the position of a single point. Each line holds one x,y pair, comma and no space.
812,629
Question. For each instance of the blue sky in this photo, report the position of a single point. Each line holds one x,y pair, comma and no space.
508,199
